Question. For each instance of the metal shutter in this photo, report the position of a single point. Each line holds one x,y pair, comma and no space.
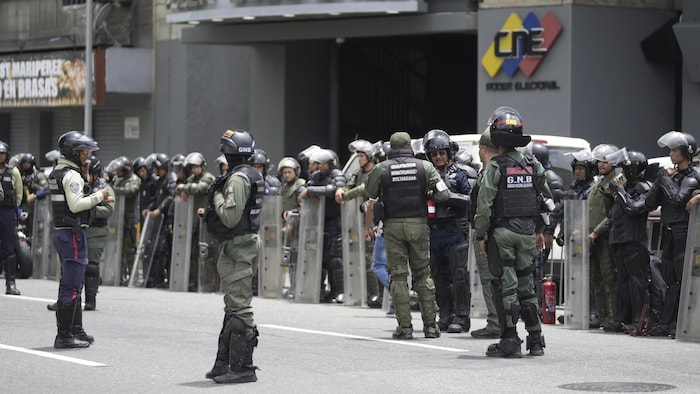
19,132
108,131
60,123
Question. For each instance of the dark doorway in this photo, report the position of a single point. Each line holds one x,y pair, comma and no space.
412,83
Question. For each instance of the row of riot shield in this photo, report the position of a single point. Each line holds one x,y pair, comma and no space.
44,256
688,326
181,252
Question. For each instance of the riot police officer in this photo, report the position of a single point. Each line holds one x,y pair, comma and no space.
628,238
36,185
509,204
147,188
293,185
233,217
366,159
71,211
448,237
405,183
127,184
674,191
603,276
11,181
323,183
261,161
96,233
195,186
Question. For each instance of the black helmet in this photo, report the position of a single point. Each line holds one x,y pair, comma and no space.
161,161
678,140
583,158
435,140
177,162
140,163
95,166
27,158
123,163
237,143
363,146
259,157
289,162
72,143
5,148
540,151
506,126
635,166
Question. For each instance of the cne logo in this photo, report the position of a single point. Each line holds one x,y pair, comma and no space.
521,44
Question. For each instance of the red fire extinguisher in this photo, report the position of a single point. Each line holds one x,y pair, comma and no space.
549,301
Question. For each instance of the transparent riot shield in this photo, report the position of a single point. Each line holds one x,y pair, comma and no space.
145,251
208,280
270,261
42,247
290,253
181,251
308,273
110,266
688,326
478,305
353,239
576,268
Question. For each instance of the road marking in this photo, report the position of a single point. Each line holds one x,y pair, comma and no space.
14,297
337,334
52,355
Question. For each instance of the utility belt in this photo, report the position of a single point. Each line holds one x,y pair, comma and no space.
73,224
449,225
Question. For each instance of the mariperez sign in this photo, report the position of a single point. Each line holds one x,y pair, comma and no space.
36,80
521,45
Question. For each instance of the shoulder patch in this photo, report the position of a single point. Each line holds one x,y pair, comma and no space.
74,187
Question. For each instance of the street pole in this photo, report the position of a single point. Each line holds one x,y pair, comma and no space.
88,68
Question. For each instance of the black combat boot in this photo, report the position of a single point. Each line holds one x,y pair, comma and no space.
222,354
78,331
241,365
92,283
507,347
10,269
459,324
535,343
64,320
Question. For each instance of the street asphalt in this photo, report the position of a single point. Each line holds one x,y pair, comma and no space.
158,341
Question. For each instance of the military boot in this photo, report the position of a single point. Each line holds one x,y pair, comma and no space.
459,324
403,332
241,365
507,347
10,264
535,343
64,321
222,354
78,331
92,283
431,330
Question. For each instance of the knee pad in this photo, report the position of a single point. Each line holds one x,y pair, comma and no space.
92,269
515,312
530,314
336,246
236,325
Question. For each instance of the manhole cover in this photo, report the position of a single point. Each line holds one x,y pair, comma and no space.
617,387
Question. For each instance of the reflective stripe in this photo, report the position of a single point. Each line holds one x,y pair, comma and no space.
58,197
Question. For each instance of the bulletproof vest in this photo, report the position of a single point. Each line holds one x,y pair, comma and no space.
62,215
556,185
578,190
272,185
250,219
625,227
94,221
147,192
444,212
10,200
163,189
318,179
517,195
674,211
403,184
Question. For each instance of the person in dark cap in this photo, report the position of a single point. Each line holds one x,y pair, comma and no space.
404,185
512,194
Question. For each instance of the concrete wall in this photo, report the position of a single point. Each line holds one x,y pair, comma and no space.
607,91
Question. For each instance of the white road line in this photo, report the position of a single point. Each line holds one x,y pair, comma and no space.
52,355
337,334
14,297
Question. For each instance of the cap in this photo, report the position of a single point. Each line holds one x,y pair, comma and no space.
400,138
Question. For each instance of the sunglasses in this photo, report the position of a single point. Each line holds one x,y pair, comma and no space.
84,152
437,153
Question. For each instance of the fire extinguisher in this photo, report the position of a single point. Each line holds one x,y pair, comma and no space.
549,304
431,208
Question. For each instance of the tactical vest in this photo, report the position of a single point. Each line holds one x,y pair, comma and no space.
63,217
95,221
625,227
10,200
250,219
517,191
444,211
403,184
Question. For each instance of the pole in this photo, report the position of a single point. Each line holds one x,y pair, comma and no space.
87,126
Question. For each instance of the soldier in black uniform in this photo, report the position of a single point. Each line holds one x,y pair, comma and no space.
323,183
165,191
628,238
261,161
147,190
449,227
673,190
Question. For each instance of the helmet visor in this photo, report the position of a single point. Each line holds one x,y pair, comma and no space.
672,140
618,157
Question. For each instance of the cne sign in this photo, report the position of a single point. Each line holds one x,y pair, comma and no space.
521,44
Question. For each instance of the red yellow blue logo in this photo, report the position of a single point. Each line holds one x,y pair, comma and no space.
521,44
